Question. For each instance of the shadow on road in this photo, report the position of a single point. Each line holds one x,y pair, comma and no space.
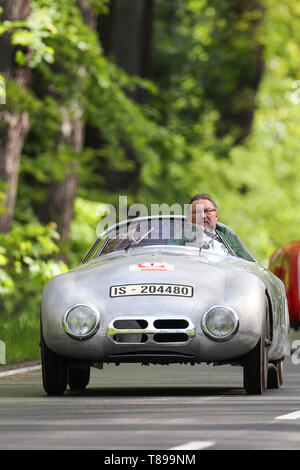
156,391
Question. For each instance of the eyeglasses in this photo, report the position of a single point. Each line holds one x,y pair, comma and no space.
209,211
205,211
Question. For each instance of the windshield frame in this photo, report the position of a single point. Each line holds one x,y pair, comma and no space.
135,220
95,252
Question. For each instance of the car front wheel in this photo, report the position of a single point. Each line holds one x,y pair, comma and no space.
256,367
54,370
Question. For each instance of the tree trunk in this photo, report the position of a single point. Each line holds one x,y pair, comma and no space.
130,35
12,141
62,193
126,36
15,124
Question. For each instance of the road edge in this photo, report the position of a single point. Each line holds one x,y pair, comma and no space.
19,367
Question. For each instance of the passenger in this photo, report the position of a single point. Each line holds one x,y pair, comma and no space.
203,210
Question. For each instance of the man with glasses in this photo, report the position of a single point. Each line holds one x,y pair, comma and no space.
203,210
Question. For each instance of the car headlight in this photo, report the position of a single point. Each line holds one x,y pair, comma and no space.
81,321
220,323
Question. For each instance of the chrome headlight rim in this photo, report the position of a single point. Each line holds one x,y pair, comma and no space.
209,334
86,335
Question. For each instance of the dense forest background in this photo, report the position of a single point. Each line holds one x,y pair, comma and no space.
152,99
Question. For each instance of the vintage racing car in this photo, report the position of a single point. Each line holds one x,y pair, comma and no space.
150,291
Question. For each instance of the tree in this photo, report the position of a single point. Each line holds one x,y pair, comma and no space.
235,64
126,36
62,193
209,57
80,87
15,120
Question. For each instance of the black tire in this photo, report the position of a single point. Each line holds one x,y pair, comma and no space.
54,370
273,375
78,379
256,367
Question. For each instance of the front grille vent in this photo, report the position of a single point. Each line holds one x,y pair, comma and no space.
130,338
171,323
133,324
170,338
150,330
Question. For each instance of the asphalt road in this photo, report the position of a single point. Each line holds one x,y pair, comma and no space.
152,408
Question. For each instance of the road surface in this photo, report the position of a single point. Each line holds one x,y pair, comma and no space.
151,408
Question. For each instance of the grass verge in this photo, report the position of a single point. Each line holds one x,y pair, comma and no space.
21,335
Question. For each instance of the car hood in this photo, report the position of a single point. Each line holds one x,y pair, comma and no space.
167,262
214,278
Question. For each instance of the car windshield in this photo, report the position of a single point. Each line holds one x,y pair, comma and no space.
149,232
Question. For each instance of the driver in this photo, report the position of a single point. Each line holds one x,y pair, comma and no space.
203,210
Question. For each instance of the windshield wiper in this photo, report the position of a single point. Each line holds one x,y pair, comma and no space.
206,245
136,242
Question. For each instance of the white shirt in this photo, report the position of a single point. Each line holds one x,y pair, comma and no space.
213,242
210,240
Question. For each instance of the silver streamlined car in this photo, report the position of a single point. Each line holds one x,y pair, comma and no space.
152,290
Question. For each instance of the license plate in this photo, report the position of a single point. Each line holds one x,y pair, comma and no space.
151,289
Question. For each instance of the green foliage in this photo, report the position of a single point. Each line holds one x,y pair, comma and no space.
83,228
80,77
31,33
208,61
27,262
